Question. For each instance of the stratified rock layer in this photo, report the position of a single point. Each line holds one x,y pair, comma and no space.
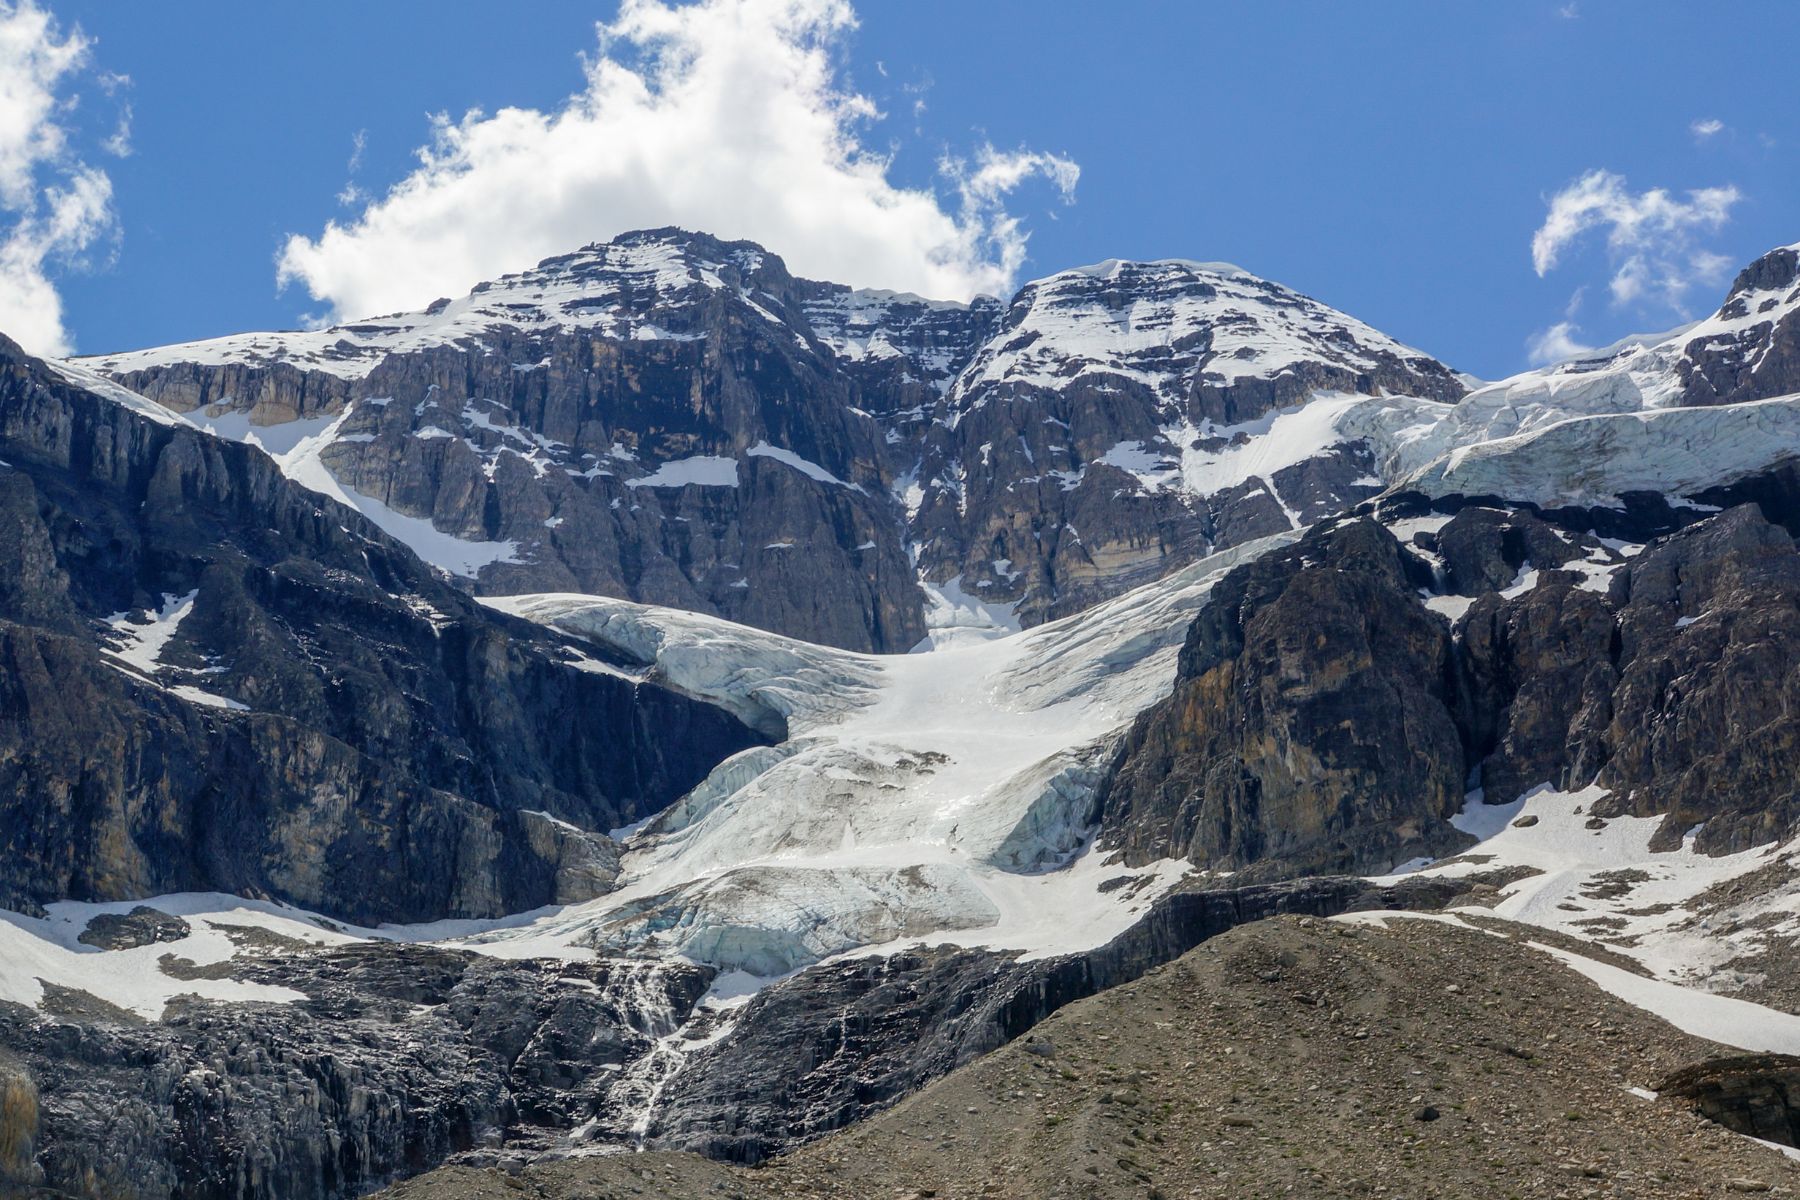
212,678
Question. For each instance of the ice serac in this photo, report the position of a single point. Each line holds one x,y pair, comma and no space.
1671,414
932,796
217,679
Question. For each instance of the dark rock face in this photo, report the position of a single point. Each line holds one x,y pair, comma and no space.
398,1058
1757,1095
142,926
1759,357
1701,727
1324,718
835,1044
873,438
1311,723
214,679
552,436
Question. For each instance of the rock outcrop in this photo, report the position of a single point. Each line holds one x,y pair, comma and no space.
212,678
397,1058
1757,1095
1333,696
1311,723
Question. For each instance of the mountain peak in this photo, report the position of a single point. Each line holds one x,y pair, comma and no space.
1175,325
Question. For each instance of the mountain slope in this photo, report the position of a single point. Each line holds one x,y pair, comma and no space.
1291,606
216,679
1326,1059
675,420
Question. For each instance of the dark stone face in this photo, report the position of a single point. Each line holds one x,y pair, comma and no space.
1311,725
1761,359
141,926
1757,1095
1322,719
544,436
329,722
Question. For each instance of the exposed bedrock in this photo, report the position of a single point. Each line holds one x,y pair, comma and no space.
212,678
1334,697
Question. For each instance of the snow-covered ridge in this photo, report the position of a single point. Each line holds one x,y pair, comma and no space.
620,289
1169,325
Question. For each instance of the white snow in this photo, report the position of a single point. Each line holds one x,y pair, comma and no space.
1718,1018
937,796
1126,319
952,616
83,376
1569,892
702,470
298,447
39,950
1271,443
810,469
1151,469
623,290
1722,1019
139,647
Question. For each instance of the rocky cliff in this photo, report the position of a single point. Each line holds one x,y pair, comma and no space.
1337,699
216,679
676,420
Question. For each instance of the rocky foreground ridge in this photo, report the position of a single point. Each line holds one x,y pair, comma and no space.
1289,1056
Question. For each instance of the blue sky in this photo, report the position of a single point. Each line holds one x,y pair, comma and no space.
1395,160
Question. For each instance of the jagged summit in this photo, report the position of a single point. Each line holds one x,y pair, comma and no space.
644,284
641,285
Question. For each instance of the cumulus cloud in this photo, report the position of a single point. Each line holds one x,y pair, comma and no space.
1652,237
728,116
1706,127
53,206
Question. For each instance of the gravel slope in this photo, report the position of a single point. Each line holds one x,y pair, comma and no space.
1290,1057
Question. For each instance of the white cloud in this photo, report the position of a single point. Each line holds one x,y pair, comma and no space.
1557,344
726,116
53,206
1706,127
1651,236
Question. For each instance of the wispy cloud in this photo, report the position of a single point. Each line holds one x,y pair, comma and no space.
724,115
1652,238
352,194
54,207
1557,344
1706,127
